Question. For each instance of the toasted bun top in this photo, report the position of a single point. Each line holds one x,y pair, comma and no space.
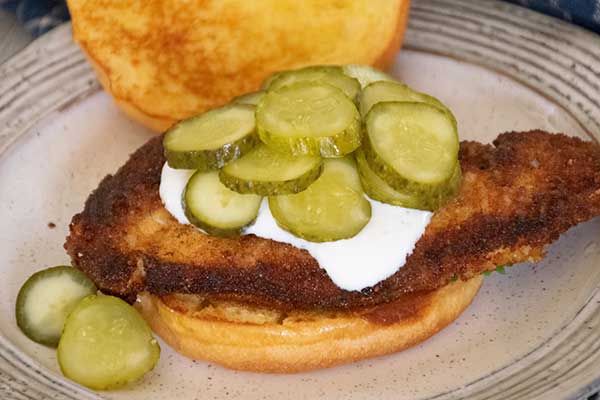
172,59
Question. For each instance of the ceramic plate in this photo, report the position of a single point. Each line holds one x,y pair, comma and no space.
533,333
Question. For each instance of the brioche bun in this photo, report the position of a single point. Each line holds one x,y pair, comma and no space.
163,61
263,340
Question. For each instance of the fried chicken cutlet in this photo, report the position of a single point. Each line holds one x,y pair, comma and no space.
518,195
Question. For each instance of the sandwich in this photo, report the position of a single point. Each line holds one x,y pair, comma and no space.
250,302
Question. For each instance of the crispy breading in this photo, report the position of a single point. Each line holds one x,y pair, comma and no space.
517,196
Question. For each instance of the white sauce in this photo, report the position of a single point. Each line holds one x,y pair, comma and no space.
172,185
374,254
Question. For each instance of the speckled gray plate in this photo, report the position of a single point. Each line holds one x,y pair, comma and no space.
531,334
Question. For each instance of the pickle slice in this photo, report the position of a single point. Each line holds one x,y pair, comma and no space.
442,194
381,91
106,344
308,118
329,74
266,172
211,140
249,98
45,300
413,147
268,80
365,74
332,208
377,189
212,207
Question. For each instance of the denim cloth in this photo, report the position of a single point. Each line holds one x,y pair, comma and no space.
39,16
581,12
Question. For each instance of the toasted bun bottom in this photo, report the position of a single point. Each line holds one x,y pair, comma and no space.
263,340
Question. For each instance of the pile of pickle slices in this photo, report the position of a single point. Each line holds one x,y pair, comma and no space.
314,141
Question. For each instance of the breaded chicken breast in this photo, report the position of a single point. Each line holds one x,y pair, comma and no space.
518,195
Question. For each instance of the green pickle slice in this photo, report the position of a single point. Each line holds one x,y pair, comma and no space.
332,208
442,194
266,172
268,80
382,91
249,98
365,74
211,206
45,300
413,147
329,74
308,118
377,189
211,140
106,344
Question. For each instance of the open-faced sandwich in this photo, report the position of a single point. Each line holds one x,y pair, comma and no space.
331,217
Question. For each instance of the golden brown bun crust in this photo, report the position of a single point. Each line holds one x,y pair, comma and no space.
165,61
155,123
387,56
264,340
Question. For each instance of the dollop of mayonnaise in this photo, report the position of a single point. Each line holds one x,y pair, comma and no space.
374,254
172,185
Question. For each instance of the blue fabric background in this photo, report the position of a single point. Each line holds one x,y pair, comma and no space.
39,16
581,12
